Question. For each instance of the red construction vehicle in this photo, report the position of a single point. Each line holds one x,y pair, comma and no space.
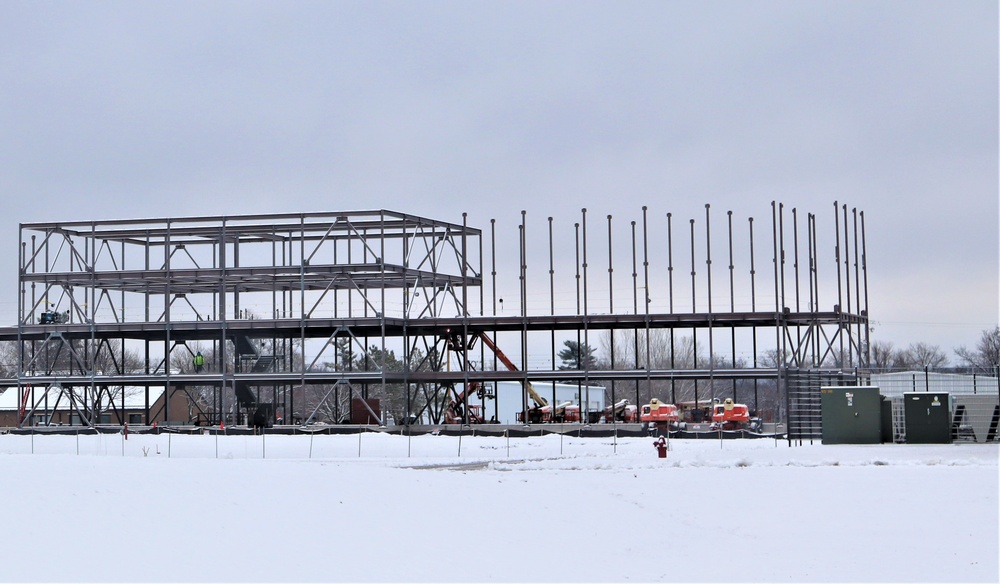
454,414
663,417
620,411
729,415
560,413
733,416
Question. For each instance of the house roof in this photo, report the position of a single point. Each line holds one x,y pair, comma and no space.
135,397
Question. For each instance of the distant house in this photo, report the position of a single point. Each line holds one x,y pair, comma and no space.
58,406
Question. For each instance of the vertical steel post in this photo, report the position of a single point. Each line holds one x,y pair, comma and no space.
840,292
611,281
166,314
584,414
21,270
847,281
732,297
464,352
524,314
857,288
815,269
635,309
864,272
670,298
783,305
795,271
579,309
552,310
780,360
708,272
777,295
753,308
611,309
694,311
647,298
810,252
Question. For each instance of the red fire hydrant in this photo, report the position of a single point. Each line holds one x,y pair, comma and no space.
661,447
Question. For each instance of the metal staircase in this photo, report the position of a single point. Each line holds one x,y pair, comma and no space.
805,412
250,360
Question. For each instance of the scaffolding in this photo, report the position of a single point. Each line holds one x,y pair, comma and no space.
301,317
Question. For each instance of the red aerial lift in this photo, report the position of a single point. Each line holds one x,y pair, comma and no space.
620,411
540,412
662,416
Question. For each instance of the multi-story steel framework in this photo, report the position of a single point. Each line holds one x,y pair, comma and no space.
344,304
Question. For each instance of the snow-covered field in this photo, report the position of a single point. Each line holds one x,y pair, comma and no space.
377,507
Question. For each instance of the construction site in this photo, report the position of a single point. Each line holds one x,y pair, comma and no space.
390,321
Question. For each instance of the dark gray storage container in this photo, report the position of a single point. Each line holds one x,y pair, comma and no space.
927,417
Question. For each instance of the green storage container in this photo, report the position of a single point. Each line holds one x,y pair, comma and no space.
927,417
851,415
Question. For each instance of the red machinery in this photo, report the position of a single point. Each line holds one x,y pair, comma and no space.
663,416
695,412
733,416
621,411
726,415
564,412
453,413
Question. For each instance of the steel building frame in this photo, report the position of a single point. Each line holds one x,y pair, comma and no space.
279,300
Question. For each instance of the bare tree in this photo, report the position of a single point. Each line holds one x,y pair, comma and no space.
986,355
8,360
920,355
664,350
885,357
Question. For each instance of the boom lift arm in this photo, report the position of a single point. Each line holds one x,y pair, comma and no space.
540,401
455,411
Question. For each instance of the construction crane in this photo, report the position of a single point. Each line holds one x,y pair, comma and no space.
535,414
456,412
539,413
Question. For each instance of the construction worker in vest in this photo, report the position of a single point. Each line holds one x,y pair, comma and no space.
199,362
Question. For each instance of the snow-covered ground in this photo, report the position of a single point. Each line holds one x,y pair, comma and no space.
378,507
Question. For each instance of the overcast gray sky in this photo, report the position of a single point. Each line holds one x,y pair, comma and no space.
146,109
